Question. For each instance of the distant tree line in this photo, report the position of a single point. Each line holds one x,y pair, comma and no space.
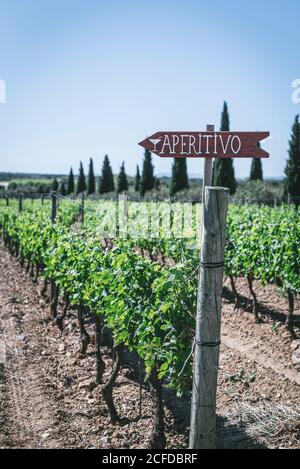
145,180
30,187
106,182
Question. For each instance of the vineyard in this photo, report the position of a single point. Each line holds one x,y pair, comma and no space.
139,292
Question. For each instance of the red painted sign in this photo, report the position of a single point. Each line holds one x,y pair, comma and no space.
206,144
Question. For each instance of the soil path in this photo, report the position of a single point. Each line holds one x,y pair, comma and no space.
28,414
251,350
268,343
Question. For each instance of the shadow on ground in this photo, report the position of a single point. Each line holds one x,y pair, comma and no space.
263,310
229,434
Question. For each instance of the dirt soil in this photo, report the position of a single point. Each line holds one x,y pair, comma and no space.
49,398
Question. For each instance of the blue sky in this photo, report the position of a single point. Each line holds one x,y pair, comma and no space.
86,78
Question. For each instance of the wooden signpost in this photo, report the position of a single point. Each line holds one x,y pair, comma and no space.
208,145
52,283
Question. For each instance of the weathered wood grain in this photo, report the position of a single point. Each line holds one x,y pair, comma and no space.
208,321
52,283
210,144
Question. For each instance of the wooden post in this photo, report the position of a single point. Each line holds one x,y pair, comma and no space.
208,165
7,200
42,199
82,208
53,206
20,202
208,320
207,176
52,283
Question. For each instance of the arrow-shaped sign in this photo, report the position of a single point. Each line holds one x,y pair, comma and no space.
206,144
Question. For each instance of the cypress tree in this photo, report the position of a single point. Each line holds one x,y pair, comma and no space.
81,184
223,171
179,179
137,182
292,169
174,179
107,179
157,184
62,188
122,180
91,179
256,173
54,185
71,183
147,182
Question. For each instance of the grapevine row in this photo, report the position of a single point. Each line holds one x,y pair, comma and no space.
149,307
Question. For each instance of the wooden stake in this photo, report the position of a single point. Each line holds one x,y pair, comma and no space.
207,176
20,202
53,206
207,169
208,321
52,283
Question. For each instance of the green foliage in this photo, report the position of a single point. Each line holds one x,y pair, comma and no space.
106,180
122,180
149,307
137,182
275,327
147,182
71,183
223,174
91,179
62,188
264,242
257,192
30,186
292,169
179,179
157,185
54,186
256,173
223,171
81,183
225,122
